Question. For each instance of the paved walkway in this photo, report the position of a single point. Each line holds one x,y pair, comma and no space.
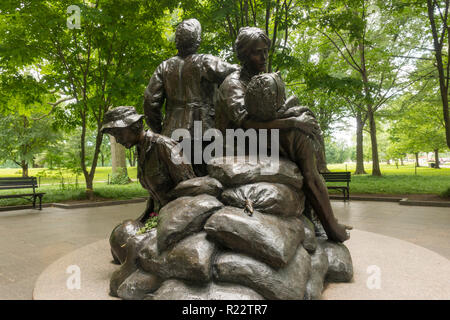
30,240
428,227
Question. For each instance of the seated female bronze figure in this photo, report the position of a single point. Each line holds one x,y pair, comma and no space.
252,46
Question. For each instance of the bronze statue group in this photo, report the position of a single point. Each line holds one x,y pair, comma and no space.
185,85
225,230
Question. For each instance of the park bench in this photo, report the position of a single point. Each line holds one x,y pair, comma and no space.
339,177
21,183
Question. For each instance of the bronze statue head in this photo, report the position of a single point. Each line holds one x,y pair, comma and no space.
188,37
124,124
265,95
252,48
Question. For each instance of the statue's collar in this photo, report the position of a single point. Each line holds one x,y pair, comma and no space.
145,145
245,75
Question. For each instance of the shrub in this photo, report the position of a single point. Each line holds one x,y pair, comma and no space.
151,223
120,177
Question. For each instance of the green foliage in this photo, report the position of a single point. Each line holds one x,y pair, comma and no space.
70,193
52,176
150,224
65,153
446,193
23,138
416,124
338,151
107,62
400,181
120,177
321,47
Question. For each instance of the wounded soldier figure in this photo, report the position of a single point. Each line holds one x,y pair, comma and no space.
265,100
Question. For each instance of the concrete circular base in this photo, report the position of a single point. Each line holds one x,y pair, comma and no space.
384,268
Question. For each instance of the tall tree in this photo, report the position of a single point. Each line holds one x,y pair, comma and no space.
222,19
106,62
318,79
438,18
23,137
417,125
377,54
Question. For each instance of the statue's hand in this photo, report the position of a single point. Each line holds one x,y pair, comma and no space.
307,124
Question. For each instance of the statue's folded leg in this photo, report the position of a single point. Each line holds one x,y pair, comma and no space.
299,149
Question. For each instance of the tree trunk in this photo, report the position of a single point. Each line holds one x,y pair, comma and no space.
388,162
373,138
118,157
24,166
359,145
417,159
134,157
87,176
443,78
370,114
131,156
436,159
90,187
401,161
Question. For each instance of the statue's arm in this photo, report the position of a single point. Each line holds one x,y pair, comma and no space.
285,123
231,102
216,70
292,108
304,122
154,98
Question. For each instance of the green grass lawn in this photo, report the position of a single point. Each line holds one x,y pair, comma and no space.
55,193
55,176
59,185
401,180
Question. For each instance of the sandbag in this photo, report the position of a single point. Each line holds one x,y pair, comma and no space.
272,198
179,290
340,265
119,237
310,242
183,217
319,268
189,259
137,285
288,283
197,186
268,238
236,171
129,265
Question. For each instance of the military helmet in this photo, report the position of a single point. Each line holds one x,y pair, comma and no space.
120,117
